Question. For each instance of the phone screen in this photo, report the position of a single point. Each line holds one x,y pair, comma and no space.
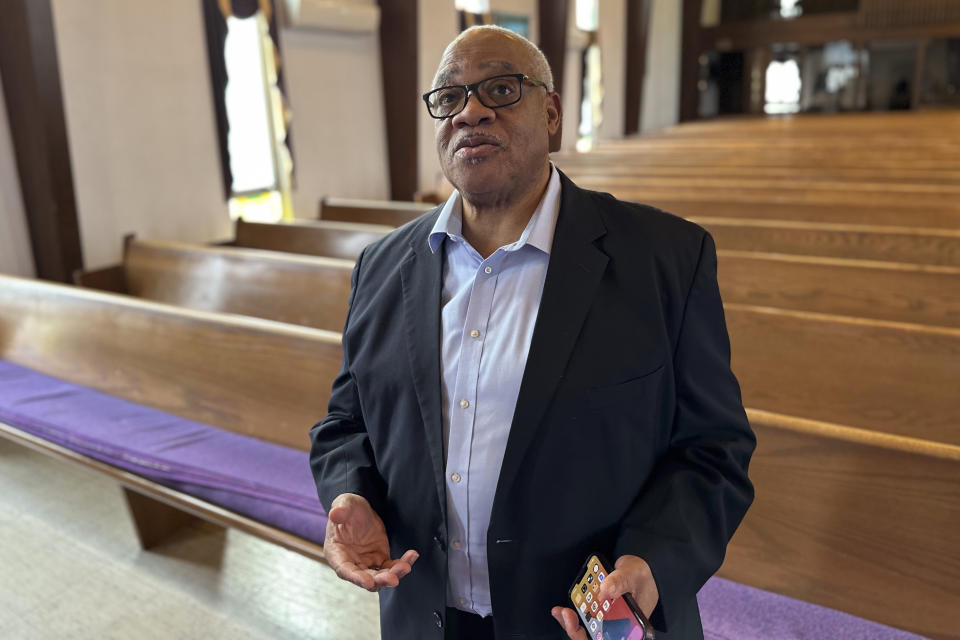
603,619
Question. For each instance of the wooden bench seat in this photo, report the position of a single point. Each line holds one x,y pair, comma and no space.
391,212
262,379
345,240
304,290
892,291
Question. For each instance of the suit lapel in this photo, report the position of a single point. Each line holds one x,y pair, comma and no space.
421,276
576,267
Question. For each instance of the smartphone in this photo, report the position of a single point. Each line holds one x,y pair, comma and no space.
617,619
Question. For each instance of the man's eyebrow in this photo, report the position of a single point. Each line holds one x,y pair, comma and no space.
443,78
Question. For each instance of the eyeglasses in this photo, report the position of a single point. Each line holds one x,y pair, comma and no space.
493,93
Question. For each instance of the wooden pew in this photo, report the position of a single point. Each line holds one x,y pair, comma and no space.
899,292
890,377
343,240
254,377
389,212
854,520
304,290
884,244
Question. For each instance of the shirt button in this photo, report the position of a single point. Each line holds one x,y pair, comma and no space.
464,404
456,477
474,334
456,545
487,270
462,601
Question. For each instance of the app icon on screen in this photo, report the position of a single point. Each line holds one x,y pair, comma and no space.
583,589
583,607
589,597
600,616
600,577
593,625
596,568
606,605
589,579
593,607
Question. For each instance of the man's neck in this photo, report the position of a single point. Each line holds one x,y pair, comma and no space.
489,227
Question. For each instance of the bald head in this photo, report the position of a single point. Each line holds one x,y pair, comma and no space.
533,61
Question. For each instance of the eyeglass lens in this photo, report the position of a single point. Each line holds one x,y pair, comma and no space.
492,93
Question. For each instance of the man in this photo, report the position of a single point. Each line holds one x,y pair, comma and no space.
531,373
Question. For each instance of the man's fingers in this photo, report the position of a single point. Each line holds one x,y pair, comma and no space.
570,622
352,573
614,586
409,557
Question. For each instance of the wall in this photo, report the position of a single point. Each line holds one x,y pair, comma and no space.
15,255
338,129
613,46
661,86
140,123
438,26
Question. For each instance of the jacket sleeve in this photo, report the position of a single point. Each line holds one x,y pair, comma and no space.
699,491
341,457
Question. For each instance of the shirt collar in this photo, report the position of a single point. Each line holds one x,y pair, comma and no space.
538,232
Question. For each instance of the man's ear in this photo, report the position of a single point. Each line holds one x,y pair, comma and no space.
554,113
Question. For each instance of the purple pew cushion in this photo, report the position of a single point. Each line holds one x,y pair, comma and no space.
732,611
265,481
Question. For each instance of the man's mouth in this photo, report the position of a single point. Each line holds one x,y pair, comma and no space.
476,146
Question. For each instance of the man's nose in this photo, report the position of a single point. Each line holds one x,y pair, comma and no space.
474,113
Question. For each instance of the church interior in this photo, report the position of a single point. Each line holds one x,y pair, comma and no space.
186,186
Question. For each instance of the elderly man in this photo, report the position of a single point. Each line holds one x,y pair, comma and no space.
531,373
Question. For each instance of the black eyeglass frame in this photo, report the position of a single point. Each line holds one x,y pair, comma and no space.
471,89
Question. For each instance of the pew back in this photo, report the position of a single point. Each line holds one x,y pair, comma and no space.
853,520
345,240
389,212
259,378
309,291
893,291
895,378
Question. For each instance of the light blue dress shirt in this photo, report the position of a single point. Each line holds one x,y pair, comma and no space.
489,308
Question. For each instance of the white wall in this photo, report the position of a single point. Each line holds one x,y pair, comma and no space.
438,26
612,28
140,122
15,255
338,128
661,86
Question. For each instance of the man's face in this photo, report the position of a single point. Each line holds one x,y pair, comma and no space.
492,155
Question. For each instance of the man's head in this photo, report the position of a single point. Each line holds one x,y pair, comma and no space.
495,155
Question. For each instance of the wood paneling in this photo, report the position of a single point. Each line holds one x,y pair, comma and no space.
398,62
638,25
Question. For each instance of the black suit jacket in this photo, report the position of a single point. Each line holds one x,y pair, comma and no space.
629,435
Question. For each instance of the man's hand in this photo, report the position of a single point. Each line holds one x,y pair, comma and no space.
357,548
631,575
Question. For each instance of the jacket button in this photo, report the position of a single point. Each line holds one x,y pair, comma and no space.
438,619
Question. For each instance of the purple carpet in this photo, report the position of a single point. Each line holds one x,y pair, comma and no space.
732,611
268,482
